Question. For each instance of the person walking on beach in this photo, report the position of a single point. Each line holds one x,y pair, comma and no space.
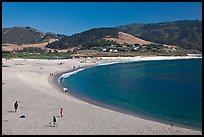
54,121
61,112
16,106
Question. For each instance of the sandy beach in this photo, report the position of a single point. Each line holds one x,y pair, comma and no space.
29,82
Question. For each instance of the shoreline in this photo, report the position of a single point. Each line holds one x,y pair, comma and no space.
29,82
60,87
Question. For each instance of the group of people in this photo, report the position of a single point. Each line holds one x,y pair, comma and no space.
54,120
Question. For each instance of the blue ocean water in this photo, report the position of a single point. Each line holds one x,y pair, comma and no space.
169,90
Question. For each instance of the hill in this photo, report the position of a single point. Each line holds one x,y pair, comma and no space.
26,35
185,33
83,38
168,37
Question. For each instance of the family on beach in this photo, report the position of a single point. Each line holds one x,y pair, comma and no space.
54,120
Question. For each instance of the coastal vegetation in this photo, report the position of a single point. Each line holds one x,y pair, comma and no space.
35,53
36,56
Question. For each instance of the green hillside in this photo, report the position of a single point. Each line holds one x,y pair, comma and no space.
186,33
83,38
25,35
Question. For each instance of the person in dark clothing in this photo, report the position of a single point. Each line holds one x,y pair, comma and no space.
16,106
54,121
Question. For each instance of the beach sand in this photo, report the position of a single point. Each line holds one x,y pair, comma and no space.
30,83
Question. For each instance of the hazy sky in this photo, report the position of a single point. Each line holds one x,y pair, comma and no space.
74,17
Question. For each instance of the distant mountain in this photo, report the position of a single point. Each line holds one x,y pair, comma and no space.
26,35
85,37
185,33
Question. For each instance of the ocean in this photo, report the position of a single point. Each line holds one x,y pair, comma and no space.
167,90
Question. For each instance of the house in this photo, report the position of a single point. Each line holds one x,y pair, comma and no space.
136,48
111,50
115,51
104,49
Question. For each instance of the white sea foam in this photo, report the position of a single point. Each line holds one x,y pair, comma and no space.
66,75
107,63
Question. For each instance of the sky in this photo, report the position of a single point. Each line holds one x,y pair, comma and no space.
74,17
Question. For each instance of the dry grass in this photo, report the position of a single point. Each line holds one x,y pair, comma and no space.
11,47
128,39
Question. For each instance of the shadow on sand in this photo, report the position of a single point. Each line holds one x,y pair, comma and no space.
11,111
57,116
6,120
50,125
